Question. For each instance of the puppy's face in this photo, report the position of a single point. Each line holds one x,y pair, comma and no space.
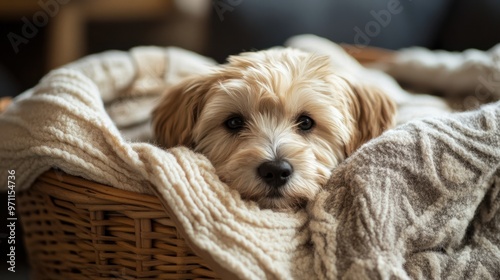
273,123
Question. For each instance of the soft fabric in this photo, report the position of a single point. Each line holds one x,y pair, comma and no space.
421,201
472,73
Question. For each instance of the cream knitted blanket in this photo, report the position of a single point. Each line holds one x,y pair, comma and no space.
420,201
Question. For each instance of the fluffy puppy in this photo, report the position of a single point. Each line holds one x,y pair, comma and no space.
274,123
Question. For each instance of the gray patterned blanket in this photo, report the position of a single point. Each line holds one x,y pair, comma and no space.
421,202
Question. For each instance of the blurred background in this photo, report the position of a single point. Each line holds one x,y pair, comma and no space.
40,35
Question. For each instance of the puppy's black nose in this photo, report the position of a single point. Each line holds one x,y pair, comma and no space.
275,173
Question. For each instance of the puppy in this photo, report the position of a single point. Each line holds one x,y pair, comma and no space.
274,123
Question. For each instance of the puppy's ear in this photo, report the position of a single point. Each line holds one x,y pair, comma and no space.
174,118
373,112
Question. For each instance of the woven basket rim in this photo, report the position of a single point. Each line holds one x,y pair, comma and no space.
75,185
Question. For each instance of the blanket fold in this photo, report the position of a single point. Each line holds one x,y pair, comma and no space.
419,202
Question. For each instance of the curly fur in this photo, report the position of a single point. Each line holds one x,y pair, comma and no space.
270,90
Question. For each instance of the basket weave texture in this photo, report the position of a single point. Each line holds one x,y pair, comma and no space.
78,229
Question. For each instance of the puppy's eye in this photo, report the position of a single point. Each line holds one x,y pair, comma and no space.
305,123
234,123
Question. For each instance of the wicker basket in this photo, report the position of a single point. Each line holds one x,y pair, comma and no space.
77,229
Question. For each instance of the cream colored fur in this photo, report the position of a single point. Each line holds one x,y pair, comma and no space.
270,90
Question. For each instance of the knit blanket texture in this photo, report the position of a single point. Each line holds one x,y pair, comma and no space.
419,202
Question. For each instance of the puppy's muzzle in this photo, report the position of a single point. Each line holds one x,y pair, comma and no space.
275,173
